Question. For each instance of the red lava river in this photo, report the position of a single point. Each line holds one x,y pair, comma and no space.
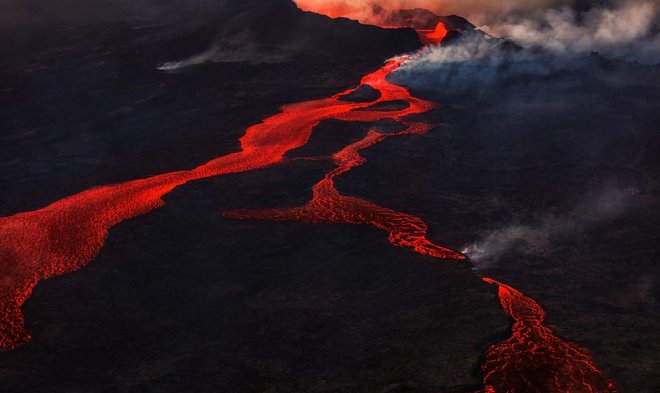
68,234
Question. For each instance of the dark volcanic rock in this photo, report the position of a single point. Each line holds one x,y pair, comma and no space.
86,104
171,29
364,93
537,156
181,299
281,23
420,18
452,37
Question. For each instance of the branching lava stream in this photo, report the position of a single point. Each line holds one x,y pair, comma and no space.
533,359
69,233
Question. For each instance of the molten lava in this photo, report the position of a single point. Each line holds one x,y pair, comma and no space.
533,359
372,16
329,206
69,233
434,37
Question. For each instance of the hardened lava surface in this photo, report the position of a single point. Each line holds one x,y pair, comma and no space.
255,333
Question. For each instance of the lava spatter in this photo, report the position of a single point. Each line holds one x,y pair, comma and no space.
433,37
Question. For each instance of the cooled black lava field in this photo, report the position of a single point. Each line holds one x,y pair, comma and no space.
269,196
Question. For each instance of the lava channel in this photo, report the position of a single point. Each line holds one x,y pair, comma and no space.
329,206
533,359
69,233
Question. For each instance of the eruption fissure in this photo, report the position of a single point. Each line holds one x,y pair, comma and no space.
69,233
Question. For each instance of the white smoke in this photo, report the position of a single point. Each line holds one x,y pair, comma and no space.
535,238
626,31
474,64
476,11
551,43
238,48
242,53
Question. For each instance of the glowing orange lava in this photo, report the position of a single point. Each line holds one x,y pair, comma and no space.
364,14
433,37
329,206
533,359
69,233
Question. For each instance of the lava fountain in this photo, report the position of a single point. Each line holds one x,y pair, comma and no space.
433,37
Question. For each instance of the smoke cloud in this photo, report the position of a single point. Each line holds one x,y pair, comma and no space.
474,64
536,238
626,31
241,49
477,11
218,54
557,42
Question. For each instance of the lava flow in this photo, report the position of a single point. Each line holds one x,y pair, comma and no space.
329,206
533,359
69,233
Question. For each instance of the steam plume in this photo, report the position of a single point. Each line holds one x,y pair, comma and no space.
477,11
536,238
233,52
627,31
